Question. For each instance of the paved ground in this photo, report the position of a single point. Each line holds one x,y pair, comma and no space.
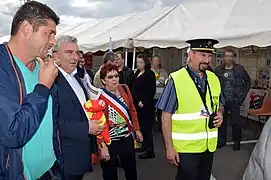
228,165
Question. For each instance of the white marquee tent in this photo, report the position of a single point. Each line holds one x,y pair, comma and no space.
233,22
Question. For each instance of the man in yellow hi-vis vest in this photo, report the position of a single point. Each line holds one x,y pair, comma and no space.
192,107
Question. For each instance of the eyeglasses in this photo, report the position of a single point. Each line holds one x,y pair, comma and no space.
113,76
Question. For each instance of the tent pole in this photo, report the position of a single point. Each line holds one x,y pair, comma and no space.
126,56
238,56
134,58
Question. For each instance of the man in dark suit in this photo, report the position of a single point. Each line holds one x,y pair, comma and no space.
75,130
125,72
81,67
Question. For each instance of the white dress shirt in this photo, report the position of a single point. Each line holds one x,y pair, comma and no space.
75,86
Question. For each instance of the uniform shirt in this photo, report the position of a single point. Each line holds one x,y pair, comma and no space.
168,100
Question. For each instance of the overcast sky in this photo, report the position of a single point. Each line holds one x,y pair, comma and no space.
72,11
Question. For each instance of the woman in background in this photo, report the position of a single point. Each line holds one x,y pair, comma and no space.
143,91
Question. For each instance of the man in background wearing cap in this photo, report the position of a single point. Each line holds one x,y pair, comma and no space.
192,99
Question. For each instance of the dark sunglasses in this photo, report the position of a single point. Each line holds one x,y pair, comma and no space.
113,76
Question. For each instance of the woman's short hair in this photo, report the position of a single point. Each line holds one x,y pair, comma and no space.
145,59
106,68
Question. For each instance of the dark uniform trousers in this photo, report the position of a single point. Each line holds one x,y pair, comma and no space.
235,121
195,166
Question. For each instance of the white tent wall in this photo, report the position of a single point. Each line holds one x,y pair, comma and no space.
186,21
233,22
237,23
94,35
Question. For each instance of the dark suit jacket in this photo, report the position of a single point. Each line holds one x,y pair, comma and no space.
76,144
81,73
126,76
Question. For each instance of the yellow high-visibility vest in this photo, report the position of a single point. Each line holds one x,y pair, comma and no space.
190,131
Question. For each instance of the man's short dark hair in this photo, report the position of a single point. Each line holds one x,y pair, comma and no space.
35,13
121,53
229,51
81,52
109,56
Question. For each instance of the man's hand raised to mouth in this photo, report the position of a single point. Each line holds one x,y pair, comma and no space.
48,71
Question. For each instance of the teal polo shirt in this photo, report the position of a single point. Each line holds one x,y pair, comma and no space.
38,154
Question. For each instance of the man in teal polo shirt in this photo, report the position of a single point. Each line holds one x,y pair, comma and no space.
26,126
38,154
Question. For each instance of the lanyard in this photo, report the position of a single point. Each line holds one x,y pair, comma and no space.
158,72
16,73
201,92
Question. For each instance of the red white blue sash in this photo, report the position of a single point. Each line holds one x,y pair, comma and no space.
120,107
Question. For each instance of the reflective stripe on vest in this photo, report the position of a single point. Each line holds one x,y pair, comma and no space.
190,132
187,117
195,136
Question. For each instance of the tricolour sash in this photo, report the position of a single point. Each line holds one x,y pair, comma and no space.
120,107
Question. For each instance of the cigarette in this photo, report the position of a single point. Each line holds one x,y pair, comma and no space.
55,63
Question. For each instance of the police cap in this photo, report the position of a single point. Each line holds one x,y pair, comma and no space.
205,45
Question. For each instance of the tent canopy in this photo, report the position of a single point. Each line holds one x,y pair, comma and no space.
236,23
233,22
